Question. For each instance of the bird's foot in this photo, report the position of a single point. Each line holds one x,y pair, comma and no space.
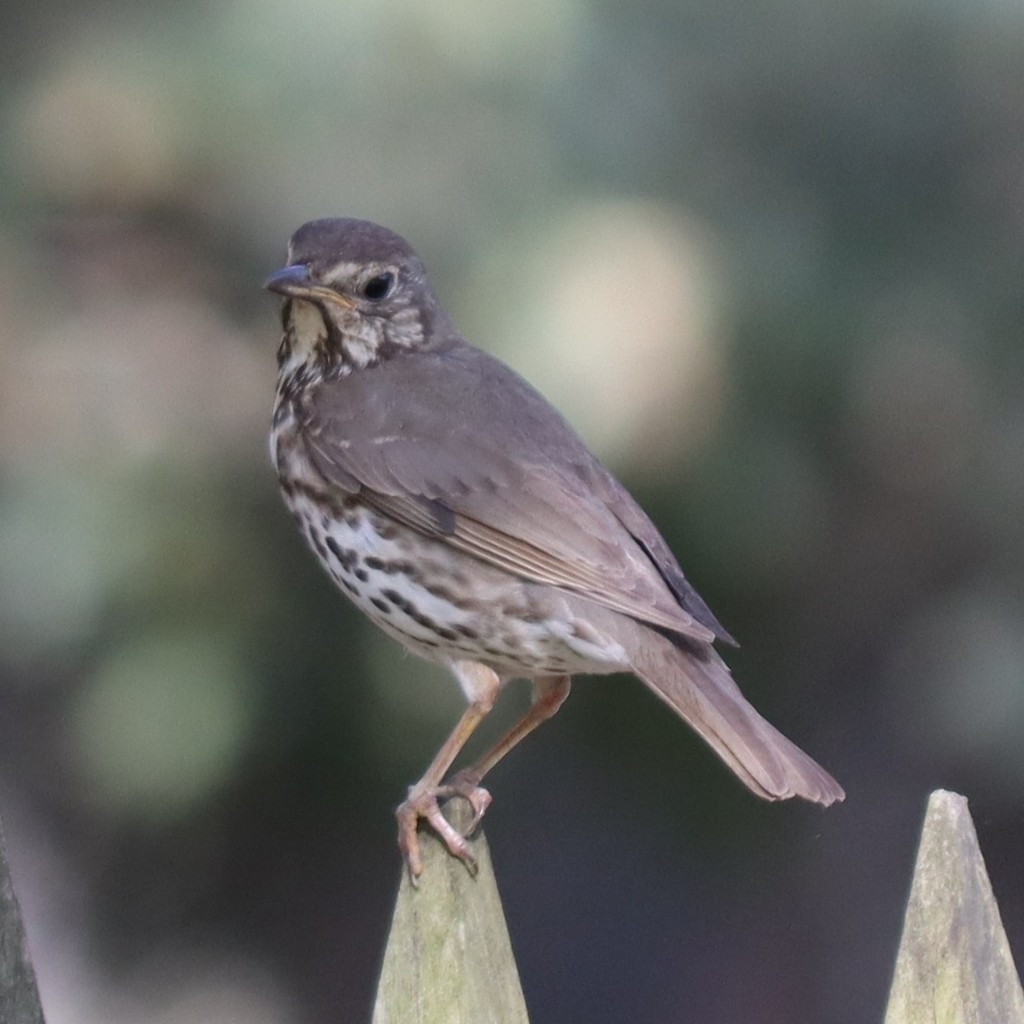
422,803
464,784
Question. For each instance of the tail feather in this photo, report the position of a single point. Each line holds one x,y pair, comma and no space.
700,688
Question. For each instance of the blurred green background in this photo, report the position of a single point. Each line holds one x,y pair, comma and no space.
766,256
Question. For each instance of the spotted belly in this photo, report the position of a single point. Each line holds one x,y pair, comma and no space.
445,605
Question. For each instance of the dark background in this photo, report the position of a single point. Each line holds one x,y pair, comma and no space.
766,256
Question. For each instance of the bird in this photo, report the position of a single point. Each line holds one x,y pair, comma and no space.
464,516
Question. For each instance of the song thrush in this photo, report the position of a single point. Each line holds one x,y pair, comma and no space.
463,515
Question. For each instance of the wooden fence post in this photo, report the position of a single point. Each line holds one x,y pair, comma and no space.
19,997
954,964
448,958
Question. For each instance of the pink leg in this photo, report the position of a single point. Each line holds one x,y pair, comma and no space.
549,693
482,686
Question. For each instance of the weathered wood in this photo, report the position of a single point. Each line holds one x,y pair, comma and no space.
19,997
448,958
954,964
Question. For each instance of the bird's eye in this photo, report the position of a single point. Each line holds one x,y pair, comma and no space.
379,286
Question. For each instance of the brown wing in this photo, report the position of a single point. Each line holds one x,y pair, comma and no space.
457,446
625,508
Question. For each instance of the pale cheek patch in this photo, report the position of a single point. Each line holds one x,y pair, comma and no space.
360,342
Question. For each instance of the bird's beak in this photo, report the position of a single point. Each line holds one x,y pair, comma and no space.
295,282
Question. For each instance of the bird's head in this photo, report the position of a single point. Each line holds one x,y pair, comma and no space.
355,295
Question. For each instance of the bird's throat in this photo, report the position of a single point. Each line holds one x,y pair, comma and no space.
305,337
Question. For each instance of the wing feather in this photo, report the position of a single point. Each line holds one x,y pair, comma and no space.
456,446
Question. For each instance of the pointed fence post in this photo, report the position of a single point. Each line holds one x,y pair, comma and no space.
448,958
954,964
19,997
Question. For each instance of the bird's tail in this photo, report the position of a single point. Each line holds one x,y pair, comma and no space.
698,685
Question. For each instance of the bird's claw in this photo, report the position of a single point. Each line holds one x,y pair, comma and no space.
423,804
472,792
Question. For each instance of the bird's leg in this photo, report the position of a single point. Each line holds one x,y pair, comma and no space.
481,685
549,693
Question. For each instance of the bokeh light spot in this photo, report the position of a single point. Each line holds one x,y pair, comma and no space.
162,723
